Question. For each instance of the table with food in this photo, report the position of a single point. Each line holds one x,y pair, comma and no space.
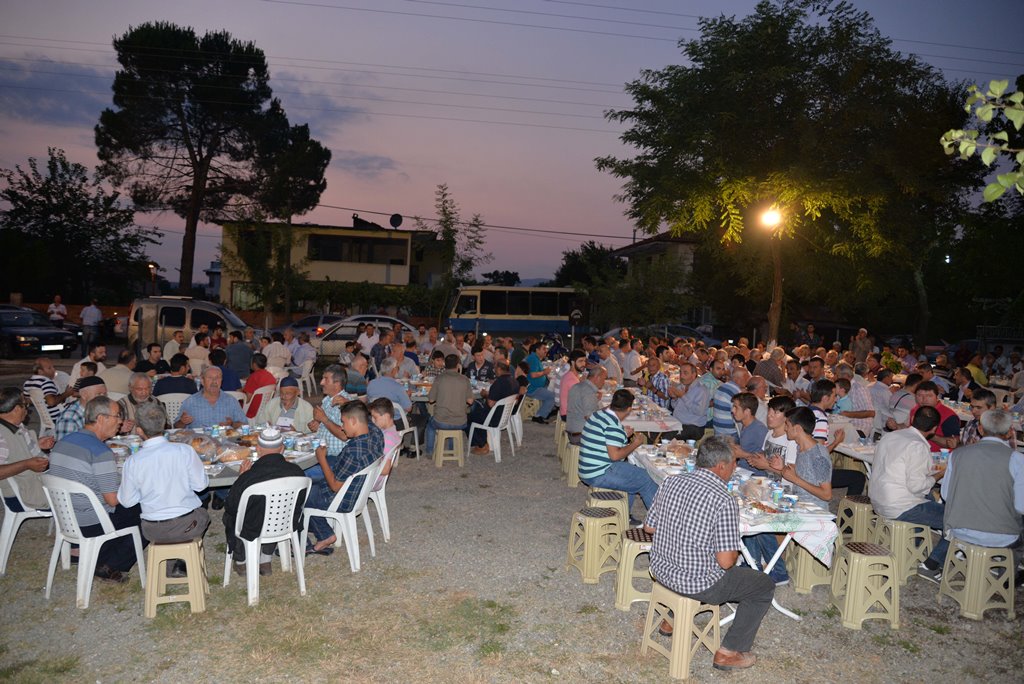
646,415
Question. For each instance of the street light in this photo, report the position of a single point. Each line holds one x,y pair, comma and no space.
771,219
153,267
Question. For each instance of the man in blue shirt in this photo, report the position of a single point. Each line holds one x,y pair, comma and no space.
211,406
605,446
538,387
230,382
691,400
386,386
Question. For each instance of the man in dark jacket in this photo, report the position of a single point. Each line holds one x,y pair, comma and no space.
269,466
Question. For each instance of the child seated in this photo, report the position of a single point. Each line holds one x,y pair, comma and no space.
382,413
844,402
88,369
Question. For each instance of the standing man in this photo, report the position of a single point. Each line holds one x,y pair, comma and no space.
83,457
117,377
163,478
90,317
452,395
96,353
696,528
605,446
57,312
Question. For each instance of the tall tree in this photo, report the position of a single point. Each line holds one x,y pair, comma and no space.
291,168
187,112
590,264
462,241
63,233
792,106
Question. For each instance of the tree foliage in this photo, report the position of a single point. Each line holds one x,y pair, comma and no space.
187,113
64,233
590,264
507,278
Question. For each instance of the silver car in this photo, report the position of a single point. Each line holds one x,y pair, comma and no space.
332,342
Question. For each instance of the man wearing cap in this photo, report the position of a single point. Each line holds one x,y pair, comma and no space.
270,465
163,478
72,418
287,411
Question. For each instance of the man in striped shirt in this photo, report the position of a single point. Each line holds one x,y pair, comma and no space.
721,403
606,444
43,381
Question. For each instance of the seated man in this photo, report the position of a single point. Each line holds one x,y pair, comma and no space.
72,418
691,400
696,528
947,433
21,454
583,400
364,446
358,375
140,394
230,382
984,490
83,457
178,381
211,406
385,385
812,470
479,368
752,432
43,380
287,411
163,478
303,352
174,345
605,446
982,400
154,363
902,477
239,354
538,388
503,386
116,377
259,377
269,465
451,394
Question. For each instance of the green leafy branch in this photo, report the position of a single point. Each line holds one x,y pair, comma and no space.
987,106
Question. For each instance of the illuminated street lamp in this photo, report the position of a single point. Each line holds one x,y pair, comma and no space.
771,219
153,268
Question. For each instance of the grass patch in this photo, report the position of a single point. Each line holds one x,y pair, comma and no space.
909,646
881,639
468,622
830,612
588,609
32,671
464,475
940,629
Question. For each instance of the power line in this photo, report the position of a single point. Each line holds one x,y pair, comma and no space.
551,14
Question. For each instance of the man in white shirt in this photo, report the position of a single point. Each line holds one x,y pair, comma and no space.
57,312
367,339
174,345
610,364
90,317
902,477
631,365
163,478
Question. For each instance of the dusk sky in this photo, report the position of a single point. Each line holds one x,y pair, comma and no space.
502,101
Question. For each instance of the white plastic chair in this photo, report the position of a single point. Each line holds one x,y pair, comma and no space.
516,422
12,521
116,396
39,403
1002,396
344,524
377,494
238,395
61,380
281,497
59,493
197,366
307,381
502,408
172,404
267,391
407,428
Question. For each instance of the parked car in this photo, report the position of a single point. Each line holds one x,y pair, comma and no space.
25,331
332,342
154,319
669,330
314,325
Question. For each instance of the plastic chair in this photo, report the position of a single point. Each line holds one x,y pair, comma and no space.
266,392
281,498
687,636
39,403
61,380
157,557
634,543
238,395
594,540
864,585
910,543
12,521
979,578
116,396
377,494
441,451
407,428
516,423
307,381
344,524
503,408
172,403
59,493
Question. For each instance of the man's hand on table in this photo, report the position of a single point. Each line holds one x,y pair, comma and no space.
46,443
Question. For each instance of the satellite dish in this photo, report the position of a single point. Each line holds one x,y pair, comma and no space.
396,220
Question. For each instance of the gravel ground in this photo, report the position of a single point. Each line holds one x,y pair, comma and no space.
472,587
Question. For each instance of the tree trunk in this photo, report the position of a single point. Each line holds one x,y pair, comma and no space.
921,335
288,269
775,309
188,242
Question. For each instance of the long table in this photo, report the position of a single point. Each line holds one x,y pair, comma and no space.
814,531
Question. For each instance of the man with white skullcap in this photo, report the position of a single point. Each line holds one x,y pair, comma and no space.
270,465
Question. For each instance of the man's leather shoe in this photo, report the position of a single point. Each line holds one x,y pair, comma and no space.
239,568
265,569
733,660
108,574
481,450
216,503
538,419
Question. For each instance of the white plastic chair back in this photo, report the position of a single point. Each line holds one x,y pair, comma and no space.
407,428
307,382
347,521
61,380
116,396
503,410
1002,396
172,403
13,520
281,496
60,493
267,391
39,403
378,495
516,422
238,396
197,366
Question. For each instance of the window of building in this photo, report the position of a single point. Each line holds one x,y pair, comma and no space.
359,250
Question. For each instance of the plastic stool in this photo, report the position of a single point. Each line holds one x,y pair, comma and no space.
856,519
864,585
805,571
572,465
559,428
680,612
157,557
970,580
910,544
594,543
610,498
562,445
442,453
634,543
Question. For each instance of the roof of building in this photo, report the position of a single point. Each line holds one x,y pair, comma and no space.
655,244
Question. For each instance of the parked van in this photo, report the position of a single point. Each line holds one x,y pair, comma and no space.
154,319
